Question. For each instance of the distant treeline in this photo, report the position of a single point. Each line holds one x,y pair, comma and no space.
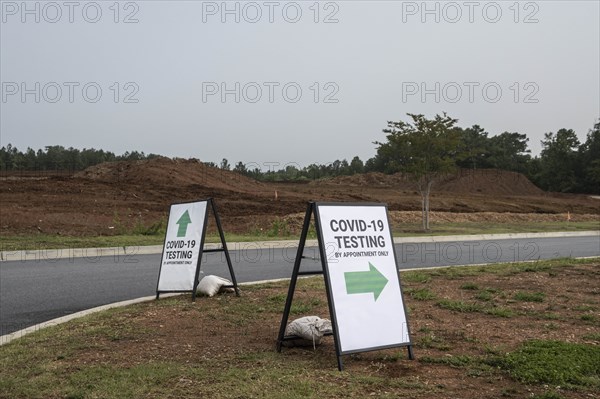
564,165
59,158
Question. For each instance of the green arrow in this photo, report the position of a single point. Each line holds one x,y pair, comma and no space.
365,282
183,222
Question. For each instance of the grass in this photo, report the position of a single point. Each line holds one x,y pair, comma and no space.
416,277
469,286
523,296
154,235
486,295
431,340
421,294
83,359
460,306
45,241
494,228
554,362
592,337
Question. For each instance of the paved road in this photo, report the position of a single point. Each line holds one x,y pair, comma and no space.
32,292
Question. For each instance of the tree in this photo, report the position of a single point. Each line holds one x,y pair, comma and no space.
474,142
589,161
240,168
508,151
225,164
558,161
356,166
426,150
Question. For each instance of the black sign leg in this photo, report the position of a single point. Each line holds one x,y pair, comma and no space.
340,363
200,254
411,355
294,279
323,256
197,276
224,244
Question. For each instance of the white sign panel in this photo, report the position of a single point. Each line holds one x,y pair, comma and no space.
363,278
182,247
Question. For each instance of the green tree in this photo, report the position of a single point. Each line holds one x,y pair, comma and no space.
31,162
558,161
225,164
356,166
508,151
426,150
475,144
240,168
71,159
589,161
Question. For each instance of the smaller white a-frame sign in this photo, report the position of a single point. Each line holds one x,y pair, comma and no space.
184,245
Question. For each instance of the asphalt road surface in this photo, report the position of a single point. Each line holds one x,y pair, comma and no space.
32,292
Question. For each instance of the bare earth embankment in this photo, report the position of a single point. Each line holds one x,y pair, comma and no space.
110,198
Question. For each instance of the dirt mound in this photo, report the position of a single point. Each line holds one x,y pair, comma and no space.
169,172
490,182
371,179
484,181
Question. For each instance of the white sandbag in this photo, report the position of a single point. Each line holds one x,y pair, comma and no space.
310,328
211,285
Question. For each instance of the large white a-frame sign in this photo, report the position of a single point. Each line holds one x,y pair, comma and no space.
362,282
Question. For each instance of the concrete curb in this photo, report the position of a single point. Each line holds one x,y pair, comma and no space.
5,339
507,236
128,251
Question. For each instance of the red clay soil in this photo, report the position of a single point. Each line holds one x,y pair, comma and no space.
170,173
108,198
486,181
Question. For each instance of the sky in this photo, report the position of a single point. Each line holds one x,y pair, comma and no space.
283,82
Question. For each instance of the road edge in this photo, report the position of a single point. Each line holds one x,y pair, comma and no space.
5,339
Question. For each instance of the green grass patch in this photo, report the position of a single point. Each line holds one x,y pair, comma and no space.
554,362
589,318
592,337
486,295
421,294
469,286
416,277
585,308
305,306
499,312
529,296
433,341
460,306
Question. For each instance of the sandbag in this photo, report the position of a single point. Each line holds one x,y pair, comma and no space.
309,328
211,285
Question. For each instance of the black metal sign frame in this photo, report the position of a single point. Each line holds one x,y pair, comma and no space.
312,210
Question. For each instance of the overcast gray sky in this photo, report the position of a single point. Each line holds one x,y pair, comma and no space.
290,82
